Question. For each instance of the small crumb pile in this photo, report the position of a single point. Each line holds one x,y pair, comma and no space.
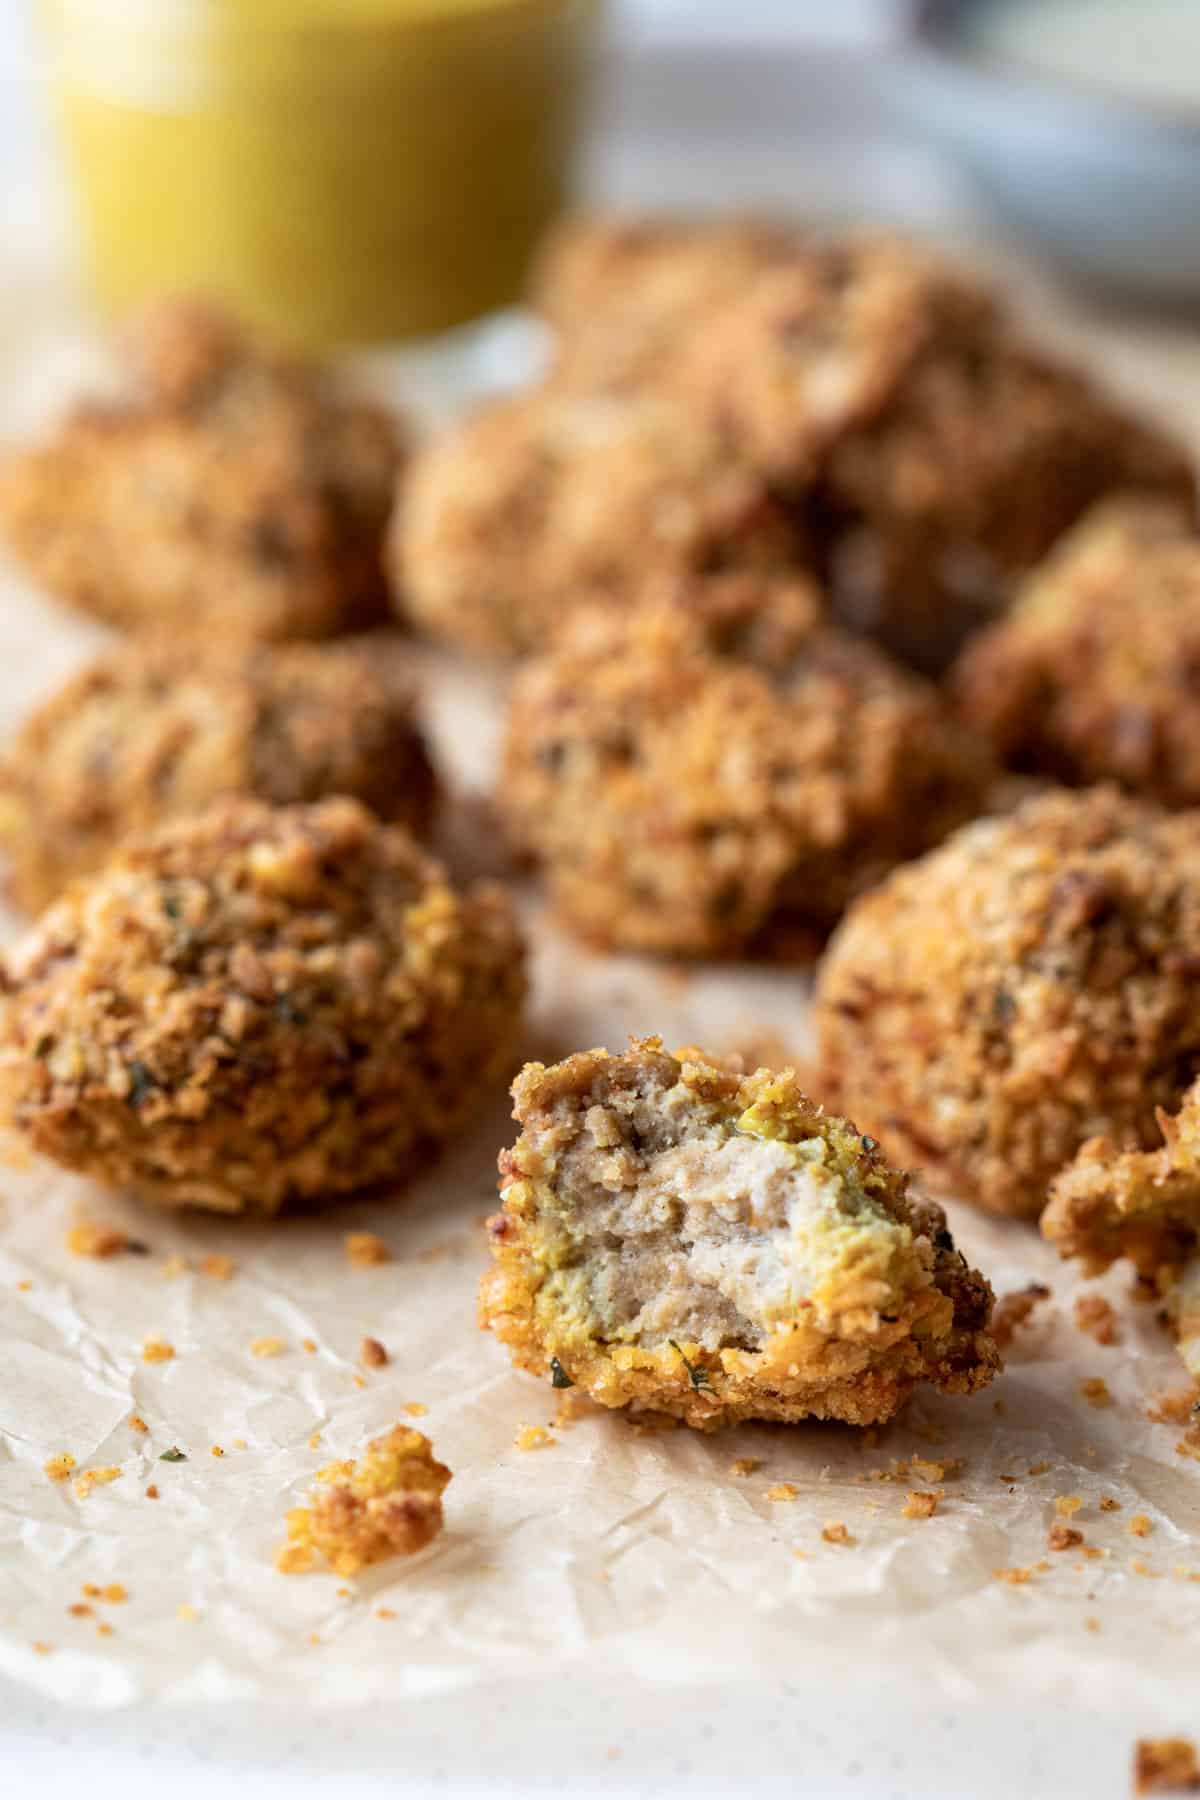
388,1503
1165,1766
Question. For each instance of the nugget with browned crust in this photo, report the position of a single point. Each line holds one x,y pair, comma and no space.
387,1502
684,793
1093,674
935,454
256,1007
679,1239
1029,984
539,503
620,292
235,488
162,725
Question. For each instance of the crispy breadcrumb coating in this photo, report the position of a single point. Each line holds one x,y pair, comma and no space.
538,503
257,1007
681,799
1029,984
234,489
1093,675
617,291
160,726
386,1503
679,1239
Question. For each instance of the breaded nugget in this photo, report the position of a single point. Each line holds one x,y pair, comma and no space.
935,453
676,1238
538,503
388,1502
234,488
681,799
1029,984
160,726
1093,674
618,291
258,1006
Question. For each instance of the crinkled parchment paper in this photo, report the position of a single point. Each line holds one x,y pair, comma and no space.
610,1548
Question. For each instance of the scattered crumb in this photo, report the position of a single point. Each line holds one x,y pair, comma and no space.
314,1637
783,1490
922,1505
90,1589
373,1353
1139,1526
1095,1391
1108,1504
365,1249
1038,1468
314,1442
343,1593
387,1503
152,1491
1189,1444
174,1267
1094,1553
92,1238
1165,1766
116,1593
138,1424
42,1648
187,1612
216,1450
267,1346
94,1478
1095,1317
1091,1624
1014,1577
533,1437
156,1350
1174,1406
415,1410
218,1266
240,1444
1063,1537
25,1287
834,1532
309,1346
1139,1566
384,1612
80,1610
1014,1310
1067,1505
104,1629
745,1465
945,1468
59,1467
360,1381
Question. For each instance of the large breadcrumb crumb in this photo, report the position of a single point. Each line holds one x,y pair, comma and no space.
388,1502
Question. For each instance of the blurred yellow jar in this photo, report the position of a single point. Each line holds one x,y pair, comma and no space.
345,171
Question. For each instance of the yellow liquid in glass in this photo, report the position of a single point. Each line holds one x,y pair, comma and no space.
341,170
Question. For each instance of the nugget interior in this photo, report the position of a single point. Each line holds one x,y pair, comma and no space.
683,1239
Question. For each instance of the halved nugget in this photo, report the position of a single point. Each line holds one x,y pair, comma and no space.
678,1238
257,1007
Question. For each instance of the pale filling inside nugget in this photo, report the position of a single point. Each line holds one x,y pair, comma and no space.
715,1240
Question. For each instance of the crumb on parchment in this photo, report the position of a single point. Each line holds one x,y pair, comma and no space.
919,1504
1094,1316
1015,1309
92,1237
1014,1577
533,1437
373,1353
364,1249
386,1503
1067,1505
1062,1536
745,1465
94,1478
59,1466
834,1532
1108,1504
1174,1406
1165,1766
1095,1391
1140,1526
267,1346
783,1490
157,1350
218,1266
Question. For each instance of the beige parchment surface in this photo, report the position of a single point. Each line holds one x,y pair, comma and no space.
609,1549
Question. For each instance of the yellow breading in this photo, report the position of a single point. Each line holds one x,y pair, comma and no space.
160,726
235,488
681,1240
386,1503
257,1007
990,1007
540,502
1092,676
685,791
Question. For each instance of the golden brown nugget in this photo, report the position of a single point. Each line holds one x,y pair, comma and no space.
680,799
1032,982
160,726
621,292
539,503
1093,674
258,1007
388,1502
935,453
676,1238
234,490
